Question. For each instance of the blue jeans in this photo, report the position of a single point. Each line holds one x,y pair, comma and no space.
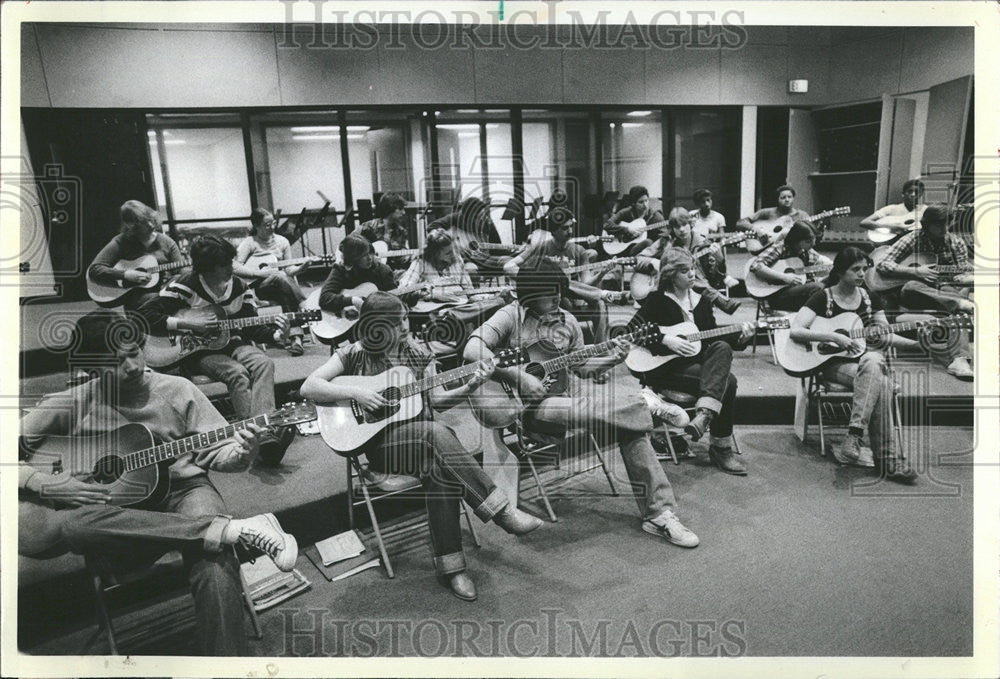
248,373
871,408
190,519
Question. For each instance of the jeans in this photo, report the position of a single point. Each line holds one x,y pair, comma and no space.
920,296
707,375
190,519
449,474
871,408
248,373
283,291
794,297
650,485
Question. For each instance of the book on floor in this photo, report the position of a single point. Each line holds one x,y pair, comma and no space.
368,558
268,585
339,547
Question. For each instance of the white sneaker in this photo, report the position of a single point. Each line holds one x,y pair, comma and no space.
961,369
671,413
669,526
264,533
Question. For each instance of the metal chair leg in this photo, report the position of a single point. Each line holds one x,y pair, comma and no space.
472,526
604,466
541,490
378,532
350,496
756,320
670,444
819,417
103,619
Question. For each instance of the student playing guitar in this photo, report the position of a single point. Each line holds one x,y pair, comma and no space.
420,447
798,242
785,208
708,373
140,235
60,512
638,208
359,266
869,376
278,286
912,207
535,323
389,226
241,366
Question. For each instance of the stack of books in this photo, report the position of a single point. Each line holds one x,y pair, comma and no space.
343,555
268,585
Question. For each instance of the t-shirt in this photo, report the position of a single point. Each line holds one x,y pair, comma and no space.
900,210
570,254
249,247
823,304
513,326
703,226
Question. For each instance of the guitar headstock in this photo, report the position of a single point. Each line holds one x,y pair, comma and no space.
624,261
309,315
292,413
961,320
775,323
326,259
510,357
641,334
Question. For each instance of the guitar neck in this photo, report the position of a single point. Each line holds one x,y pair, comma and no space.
715,332
732,240
402,253
170,266
814,268
189,444
655,225
595,265
581,355
427,383
417,287
874,331
249,322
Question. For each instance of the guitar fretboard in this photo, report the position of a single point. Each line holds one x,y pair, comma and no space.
715,332
595,265
251,321
732,240
169,266
581,355
169,451
879,330
402,253
423,385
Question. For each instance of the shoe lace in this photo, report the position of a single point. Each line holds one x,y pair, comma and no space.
266,543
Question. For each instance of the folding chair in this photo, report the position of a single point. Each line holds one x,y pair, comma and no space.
832,403
764,310
687,402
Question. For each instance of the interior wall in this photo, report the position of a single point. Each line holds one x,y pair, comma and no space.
170,66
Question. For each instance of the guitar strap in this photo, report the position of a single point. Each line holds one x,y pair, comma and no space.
866,303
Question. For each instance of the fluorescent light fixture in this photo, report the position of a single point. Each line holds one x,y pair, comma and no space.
639,114
632,124
466,126
468,135
358,128
168,142
314,137
316,128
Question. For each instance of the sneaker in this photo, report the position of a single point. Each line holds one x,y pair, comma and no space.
274,446
671,413
849,451
263,532
961,369
669,526
662,450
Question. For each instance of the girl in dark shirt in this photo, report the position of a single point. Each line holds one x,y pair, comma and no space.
871,408
419,447
706,372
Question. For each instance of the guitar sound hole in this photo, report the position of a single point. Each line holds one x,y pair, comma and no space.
108,469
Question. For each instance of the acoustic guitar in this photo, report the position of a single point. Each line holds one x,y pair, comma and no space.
496,404
598,266
461,297
644,280
110,294
764,232
804,358
133,469
616,245
165,350
382,251
642,360
333,326
878,282
270,263
759,288
591,239
346,426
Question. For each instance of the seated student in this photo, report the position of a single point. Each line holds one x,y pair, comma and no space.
584,298
798,242
535,324
470,225
359,266
140,235
272,285
61,512
420,447
923,290
389,227
785,207
705,221
707,373
440,261
679,235
241,366
869,376
911,207
637,208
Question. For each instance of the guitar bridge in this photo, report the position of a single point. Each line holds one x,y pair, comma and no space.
358,412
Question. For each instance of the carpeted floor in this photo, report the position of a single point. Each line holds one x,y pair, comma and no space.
801,557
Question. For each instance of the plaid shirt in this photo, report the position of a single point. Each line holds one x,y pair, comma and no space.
950,252
422,271
777,251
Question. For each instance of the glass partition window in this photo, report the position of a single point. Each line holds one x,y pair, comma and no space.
707,156
206,172
303,160
632,145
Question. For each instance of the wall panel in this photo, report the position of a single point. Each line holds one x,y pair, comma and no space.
33,89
